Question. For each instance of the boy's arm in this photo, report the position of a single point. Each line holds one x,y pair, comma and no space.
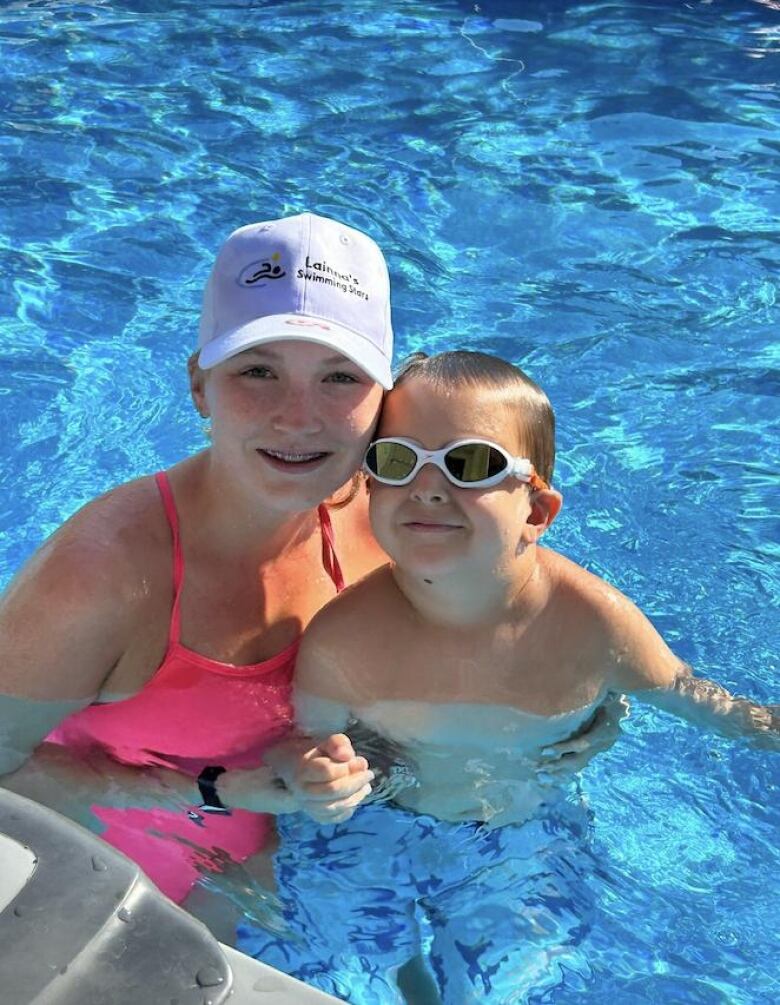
707,704
642,664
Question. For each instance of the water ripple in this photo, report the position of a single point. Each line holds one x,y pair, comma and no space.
591,189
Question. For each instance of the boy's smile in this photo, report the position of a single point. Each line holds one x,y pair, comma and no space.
428,526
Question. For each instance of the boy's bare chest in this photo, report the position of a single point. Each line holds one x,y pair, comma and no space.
523,669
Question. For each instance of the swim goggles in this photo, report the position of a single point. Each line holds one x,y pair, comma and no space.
469,464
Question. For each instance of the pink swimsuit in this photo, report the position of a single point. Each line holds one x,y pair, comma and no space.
194,712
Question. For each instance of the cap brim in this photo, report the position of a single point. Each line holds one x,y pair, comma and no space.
300,328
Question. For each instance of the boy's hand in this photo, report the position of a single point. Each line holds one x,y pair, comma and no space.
573,754
331,780
328,780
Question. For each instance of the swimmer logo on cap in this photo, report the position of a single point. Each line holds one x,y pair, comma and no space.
302,277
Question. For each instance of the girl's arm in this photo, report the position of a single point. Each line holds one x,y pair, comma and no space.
71,783
64,624
66,620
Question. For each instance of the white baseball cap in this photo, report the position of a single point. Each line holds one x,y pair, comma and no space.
303,277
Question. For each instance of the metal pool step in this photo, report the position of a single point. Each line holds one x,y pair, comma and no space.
80,924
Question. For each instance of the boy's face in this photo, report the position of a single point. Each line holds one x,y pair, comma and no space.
431,526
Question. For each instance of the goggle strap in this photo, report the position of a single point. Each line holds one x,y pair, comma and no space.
537,483
525,470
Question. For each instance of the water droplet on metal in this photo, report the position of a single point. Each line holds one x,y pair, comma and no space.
64,970
98,864
124,915
18,911
209,977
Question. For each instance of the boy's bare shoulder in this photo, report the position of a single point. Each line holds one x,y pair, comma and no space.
575,585
620,634
367,605
340,649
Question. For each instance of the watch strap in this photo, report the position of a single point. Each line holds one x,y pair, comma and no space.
207,786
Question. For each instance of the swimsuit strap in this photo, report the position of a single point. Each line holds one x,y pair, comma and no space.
169,504
330,559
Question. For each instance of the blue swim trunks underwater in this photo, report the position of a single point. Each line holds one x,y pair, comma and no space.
495,911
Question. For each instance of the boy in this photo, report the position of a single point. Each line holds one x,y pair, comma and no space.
474,651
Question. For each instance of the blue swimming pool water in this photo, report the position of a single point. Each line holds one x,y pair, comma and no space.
590,189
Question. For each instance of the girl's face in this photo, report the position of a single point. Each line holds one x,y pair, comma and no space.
431,526
291,420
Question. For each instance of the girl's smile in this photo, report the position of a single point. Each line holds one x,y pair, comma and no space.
301,411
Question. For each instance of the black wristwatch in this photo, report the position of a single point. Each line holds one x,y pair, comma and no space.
207,784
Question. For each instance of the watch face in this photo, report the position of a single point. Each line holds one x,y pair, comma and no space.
211,774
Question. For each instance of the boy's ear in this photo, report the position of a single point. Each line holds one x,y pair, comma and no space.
545,507
197,385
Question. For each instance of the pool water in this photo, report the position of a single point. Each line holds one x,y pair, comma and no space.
591,189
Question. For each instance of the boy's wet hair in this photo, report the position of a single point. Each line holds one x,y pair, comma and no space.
535,416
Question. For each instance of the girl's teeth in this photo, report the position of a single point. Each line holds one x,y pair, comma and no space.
292,458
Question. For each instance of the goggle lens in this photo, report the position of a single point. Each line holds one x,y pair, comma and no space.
392,461
474,462
468,463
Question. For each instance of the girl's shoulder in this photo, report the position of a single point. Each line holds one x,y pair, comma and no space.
120,526
90,582
107,552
